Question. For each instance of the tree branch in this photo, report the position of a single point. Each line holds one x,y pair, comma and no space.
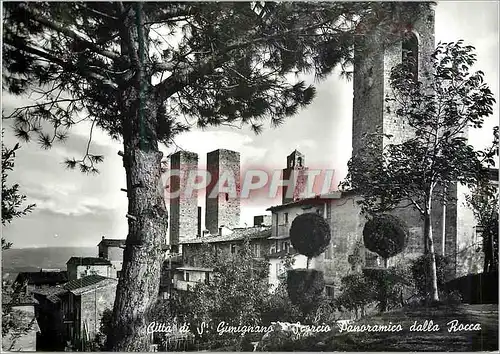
65,65
67,32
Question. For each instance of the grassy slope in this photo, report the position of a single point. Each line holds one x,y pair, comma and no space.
484,340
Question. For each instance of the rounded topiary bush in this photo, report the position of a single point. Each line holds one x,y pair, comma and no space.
385,235
305,286
310,234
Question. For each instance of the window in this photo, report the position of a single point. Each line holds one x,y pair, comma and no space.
256,249
207,277
227,197
410,53
187,276
233,248
329,291
276,221
286,218
284,246
299,161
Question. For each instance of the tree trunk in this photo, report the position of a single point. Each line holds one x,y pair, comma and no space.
139,282
430,249
138,286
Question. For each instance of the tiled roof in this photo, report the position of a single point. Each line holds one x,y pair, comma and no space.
42,278
238,234
51,293
110,242
78,286
88,261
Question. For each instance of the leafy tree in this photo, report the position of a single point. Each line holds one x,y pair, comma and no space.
385,235
310,235
420,269
12,200
236,294
15,323
484,202
419,171
140,71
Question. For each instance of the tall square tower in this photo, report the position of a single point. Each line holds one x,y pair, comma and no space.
410,38
223,208
183,206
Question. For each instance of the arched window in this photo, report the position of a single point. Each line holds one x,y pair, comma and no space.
227,197
299,161
410,53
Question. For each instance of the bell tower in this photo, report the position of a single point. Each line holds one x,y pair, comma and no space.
294,177
409,36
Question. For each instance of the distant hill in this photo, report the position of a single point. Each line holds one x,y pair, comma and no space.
33,259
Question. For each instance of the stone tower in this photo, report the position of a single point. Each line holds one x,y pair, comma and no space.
223,208
295,174
183,206
410,35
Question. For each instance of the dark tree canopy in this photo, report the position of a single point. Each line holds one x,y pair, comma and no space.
310,234
385,235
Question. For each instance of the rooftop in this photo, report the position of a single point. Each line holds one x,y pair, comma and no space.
110,242
318,199
79,286
88,261
238,234
42,278
50,293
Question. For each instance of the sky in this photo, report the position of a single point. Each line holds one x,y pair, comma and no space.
73,209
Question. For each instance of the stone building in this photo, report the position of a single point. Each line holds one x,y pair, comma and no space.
191,270
112,250
83,304
184,218
223,191
79,267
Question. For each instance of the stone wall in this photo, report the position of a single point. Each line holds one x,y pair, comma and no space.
223,208
93,304
183,220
